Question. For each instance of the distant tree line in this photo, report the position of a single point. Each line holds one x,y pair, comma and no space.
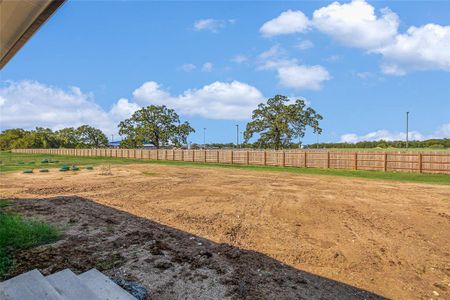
431,143
84,136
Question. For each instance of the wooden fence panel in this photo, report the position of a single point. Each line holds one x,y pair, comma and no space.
419,162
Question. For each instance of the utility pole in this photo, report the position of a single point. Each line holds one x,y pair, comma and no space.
204,137
407,127
237,135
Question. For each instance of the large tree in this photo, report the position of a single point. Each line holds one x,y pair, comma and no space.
154,124
281,120
90,137
68,137
12,138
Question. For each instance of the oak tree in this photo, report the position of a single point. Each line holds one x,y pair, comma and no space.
280,120
154,124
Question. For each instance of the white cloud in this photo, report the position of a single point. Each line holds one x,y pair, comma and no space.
290,72
212,25
276,51
303,77
355,24
123,109
28,104
442,132
207,67
287,22
420,48
239,59
187,67
218,100
305,44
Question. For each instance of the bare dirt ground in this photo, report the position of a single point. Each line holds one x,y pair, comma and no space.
389,238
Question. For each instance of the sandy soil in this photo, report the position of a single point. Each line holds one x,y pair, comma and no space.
389,238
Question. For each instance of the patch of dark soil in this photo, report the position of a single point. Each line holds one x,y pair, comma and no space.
168,263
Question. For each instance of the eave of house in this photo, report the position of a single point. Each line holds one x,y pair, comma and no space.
19,20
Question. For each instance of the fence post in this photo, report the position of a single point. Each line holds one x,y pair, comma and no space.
420,162
356,160
217,156
248,157
306,161
182,154
385,161
265,157
328,159
284,158
231,156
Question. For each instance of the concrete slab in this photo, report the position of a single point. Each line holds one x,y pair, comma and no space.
28,286
104,287
67,284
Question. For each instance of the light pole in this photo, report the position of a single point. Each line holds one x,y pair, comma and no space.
237,135
204,137
407,128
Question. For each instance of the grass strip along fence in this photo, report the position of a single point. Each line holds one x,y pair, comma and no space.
17,233
418,162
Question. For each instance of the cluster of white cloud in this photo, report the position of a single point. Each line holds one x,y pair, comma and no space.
212,25
218,100
420,48
286,23
28,104
290,72
356,24
442,132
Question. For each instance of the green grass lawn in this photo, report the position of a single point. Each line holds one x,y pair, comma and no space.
10,163
17,232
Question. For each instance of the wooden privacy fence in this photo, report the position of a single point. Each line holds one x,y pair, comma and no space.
420,162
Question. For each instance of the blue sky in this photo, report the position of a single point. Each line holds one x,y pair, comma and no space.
360,64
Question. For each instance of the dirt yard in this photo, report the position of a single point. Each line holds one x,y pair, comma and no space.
391,239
